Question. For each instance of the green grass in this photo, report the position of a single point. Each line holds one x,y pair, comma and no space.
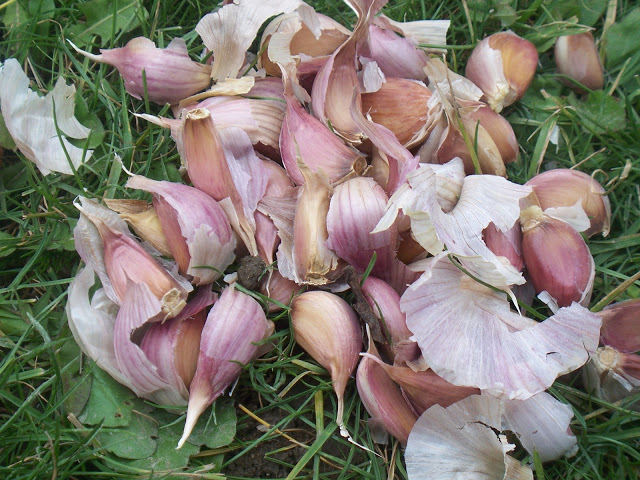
41,378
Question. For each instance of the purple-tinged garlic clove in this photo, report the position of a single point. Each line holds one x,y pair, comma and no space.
383,399
560,189
230,337
327,328
166,75
556,257
577,57
502,65
506,244
621,325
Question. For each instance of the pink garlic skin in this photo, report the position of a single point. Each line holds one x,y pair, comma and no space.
506,244
170,74
303,137
266,232
395,55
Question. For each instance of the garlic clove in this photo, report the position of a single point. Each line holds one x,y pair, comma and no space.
383,399
356,206
313,261
498,128
502,65
506,244
556,257
385,304
305,138
621,325
195,226
387,107
279,289
327,328
169,73
234,327
139,307
564,187
143,219
223,164
613,375
173,345
577,57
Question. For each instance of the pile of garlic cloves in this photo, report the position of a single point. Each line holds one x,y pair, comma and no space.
334,153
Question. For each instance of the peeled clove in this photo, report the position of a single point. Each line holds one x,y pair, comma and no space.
383,399
556,257
327,328
166,75
143,219
562,188
234,327
388,107
577,57
502,65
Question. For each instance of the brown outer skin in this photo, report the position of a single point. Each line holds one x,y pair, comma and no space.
577,57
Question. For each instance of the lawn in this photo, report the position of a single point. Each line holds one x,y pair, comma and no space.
62,417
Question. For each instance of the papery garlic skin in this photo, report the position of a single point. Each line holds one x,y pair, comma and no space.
165,75
39,132
556,257
104,242
577,57
195,227
328,329
234,327
502,65
563,188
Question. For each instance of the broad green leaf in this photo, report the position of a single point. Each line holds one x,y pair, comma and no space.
135,441
166,457
591,11
601,113
105,19
75,386
6,140
218,428
623,39
23,11
110,403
